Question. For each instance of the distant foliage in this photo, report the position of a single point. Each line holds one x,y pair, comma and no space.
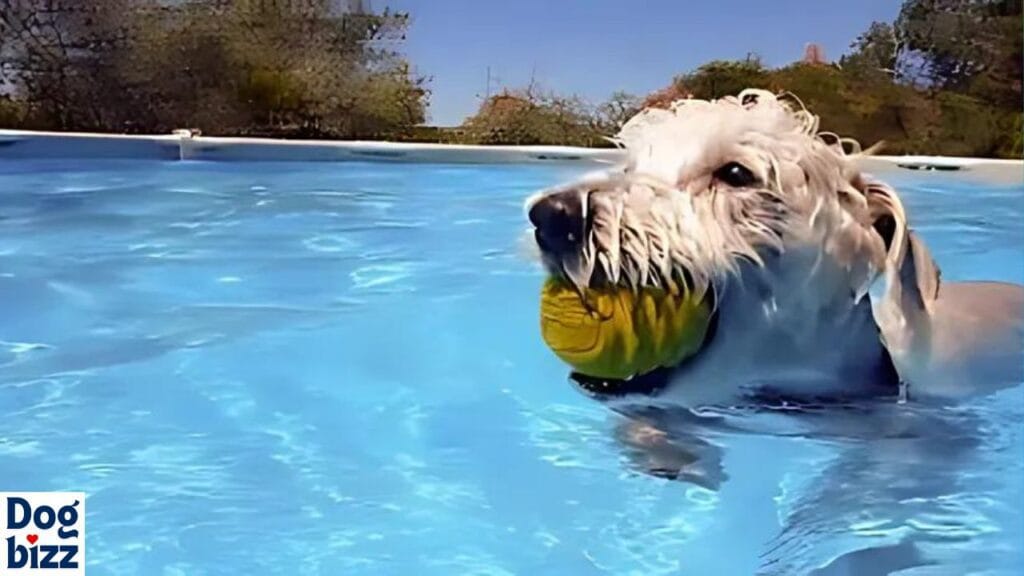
944,78
963,46
875,54
722,78
230,67
12,112
532,116
664,97
622,106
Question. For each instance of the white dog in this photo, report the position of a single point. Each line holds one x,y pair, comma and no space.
822,291
823,297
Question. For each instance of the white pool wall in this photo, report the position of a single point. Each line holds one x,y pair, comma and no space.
182,145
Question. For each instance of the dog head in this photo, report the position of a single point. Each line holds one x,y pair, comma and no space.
741,199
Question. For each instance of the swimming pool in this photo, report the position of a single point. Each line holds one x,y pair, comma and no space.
336,368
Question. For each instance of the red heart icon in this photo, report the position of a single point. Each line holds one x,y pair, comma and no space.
32,538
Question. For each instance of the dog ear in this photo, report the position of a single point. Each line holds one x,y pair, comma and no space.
906,254
919,274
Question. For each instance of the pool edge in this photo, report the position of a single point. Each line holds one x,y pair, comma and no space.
183,145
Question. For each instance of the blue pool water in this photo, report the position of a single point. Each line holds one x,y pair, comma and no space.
270,368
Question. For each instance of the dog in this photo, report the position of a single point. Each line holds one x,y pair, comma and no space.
821,289
824,300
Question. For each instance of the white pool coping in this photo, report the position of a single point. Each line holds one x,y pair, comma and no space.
182,145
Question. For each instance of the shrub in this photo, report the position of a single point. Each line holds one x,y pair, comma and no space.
723,78
530,117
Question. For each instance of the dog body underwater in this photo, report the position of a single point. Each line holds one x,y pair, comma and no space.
821,289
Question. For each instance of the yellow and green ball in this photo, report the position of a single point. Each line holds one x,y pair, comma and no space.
618,332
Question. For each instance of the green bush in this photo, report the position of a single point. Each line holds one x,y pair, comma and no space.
528,117
1013,145
226,67
965,126
12,113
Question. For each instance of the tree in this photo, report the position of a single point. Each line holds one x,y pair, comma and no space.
723,78
312,68
965,45
56,56
972,48
876,51
613,113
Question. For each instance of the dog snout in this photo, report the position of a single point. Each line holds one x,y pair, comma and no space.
558,221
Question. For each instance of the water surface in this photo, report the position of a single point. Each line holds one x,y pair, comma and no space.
273,368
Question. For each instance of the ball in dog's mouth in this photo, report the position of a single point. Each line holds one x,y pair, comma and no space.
619,339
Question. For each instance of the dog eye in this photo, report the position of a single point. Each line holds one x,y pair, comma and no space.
735,174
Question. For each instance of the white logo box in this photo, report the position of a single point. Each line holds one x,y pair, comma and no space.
42,533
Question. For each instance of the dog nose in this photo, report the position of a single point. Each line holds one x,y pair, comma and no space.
558,219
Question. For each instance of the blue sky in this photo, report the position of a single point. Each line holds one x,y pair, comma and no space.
595,47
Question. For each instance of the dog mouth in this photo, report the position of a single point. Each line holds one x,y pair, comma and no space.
623,322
